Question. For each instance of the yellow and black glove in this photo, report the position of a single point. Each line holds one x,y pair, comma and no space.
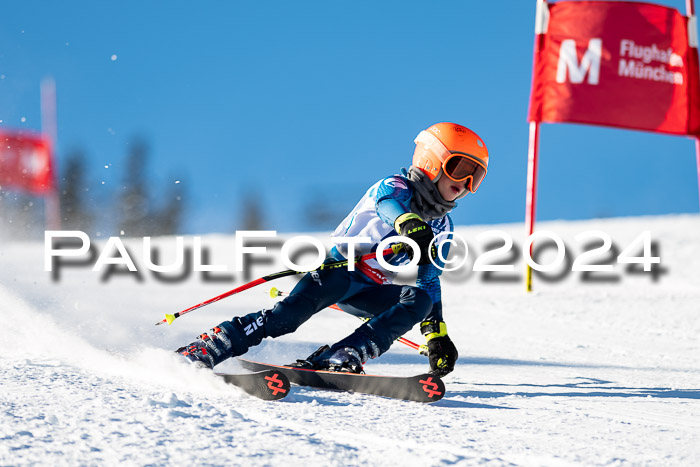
412,226
442,353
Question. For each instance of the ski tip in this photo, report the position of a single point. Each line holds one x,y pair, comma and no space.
274,292
433,388
169,318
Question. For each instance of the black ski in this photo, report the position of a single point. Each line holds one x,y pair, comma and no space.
420,388
267,384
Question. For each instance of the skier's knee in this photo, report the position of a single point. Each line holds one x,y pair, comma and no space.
417,301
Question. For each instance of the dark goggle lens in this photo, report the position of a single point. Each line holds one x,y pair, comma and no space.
458,168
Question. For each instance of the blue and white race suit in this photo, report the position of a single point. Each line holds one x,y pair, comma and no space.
368,291
374,217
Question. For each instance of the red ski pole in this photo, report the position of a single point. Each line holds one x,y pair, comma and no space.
289,272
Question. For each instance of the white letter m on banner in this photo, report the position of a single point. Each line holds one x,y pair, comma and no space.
590,63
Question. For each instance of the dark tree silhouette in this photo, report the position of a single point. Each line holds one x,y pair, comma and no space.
133,201
74,194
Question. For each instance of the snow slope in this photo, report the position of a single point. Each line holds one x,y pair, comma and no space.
576,373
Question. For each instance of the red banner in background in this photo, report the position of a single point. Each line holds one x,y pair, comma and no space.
621,64
25,163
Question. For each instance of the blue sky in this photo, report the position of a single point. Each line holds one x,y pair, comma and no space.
296,102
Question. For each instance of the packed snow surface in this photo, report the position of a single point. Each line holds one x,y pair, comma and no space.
602,371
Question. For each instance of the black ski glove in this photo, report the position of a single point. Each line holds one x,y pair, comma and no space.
412,226
442,353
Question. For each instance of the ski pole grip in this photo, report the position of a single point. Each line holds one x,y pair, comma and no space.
397,247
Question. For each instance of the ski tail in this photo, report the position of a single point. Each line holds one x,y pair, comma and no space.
266,384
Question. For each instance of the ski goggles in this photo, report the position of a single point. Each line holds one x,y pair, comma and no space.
456,165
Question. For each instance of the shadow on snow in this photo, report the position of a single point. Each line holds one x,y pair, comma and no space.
328,397
583,387
590,387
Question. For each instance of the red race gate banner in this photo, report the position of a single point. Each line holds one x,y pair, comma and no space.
621,64
25,163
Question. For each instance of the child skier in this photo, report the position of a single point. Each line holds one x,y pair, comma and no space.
449,159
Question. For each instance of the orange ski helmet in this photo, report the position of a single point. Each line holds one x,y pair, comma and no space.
453,150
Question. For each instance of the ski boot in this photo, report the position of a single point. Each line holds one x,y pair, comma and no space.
209,349
307,363
337,358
